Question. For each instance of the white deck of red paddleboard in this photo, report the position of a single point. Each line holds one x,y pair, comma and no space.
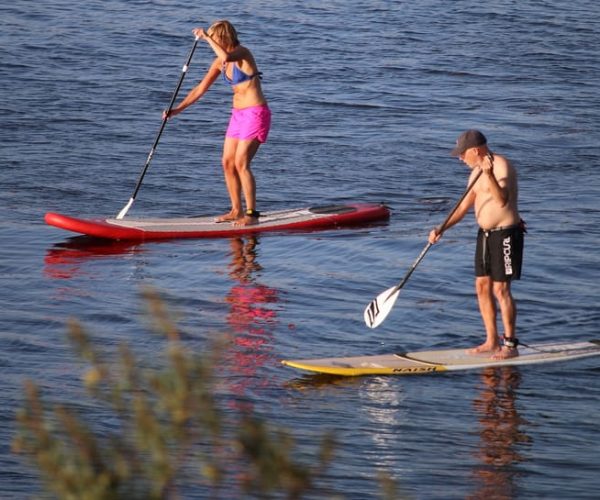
209,223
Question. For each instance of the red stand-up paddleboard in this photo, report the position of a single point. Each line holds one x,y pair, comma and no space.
303,219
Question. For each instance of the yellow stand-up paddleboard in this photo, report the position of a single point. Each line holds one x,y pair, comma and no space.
418,363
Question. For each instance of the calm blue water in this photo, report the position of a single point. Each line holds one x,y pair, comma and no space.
368,98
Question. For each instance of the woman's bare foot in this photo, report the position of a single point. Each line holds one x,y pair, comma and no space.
506,353
246,220
231,216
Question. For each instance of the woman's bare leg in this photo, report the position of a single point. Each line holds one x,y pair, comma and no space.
245,152
232,180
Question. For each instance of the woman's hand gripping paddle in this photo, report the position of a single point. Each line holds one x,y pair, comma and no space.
381,306
126,208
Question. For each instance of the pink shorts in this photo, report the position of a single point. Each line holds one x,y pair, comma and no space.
250,123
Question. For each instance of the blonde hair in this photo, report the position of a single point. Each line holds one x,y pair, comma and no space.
224,31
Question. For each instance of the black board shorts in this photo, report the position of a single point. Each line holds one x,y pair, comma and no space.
499,253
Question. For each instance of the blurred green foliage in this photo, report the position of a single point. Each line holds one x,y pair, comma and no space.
162,429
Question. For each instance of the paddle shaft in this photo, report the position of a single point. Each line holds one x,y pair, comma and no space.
160,131
442,229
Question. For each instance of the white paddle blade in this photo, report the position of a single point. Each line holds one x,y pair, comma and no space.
380,307
125,209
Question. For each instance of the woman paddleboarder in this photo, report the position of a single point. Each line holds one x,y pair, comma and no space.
250,116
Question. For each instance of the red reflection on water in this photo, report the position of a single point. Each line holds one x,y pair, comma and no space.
251,317
64,260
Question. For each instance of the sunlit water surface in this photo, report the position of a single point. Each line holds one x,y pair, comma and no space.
367,98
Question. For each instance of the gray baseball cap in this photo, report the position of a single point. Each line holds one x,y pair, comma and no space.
469,139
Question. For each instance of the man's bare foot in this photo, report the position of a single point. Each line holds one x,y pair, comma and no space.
246,220
505,353
484,348
231,216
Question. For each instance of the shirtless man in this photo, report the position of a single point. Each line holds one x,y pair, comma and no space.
499,250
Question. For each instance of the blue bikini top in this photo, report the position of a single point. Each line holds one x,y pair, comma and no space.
238,75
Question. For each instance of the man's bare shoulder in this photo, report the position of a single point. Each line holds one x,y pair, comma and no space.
501,160
502,165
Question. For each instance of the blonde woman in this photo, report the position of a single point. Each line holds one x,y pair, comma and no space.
250,116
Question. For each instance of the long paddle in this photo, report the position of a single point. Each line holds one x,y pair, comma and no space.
381,306
126,208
